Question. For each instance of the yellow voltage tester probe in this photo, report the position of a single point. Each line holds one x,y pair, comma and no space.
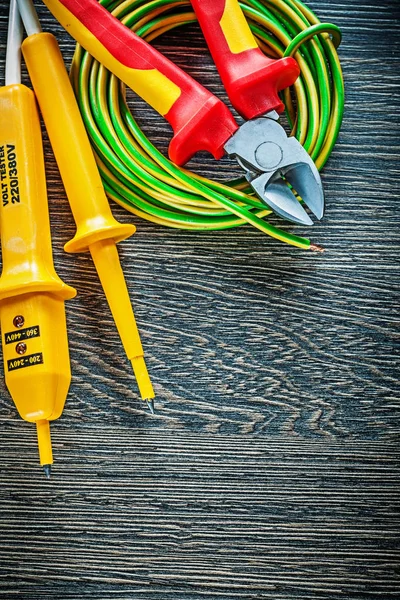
97,230
33,325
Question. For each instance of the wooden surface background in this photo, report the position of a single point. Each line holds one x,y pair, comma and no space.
271,467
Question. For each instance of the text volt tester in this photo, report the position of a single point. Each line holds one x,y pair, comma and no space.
33,324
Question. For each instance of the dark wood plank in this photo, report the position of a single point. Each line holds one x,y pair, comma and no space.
271,467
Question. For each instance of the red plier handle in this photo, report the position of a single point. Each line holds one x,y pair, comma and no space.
251,80
200,120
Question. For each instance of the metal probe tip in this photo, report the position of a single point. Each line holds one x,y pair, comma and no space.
150,404
47,470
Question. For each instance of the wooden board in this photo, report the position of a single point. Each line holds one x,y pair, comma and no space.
270,469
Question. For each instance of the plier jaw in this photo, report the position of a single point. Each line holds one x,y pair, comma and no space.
274,163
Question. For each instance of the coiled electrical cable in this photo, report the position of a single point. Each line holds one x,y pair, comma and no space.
140,178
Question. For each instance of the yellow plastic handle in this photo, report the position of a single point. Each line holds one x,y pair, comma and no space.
36,358
32,312
234,26
25,226
70,144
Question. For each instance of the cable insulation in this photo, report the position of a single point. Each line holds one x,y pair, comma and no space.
14,41
29,17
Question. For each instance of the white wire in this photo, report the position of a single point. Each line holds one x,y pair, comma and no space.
14,40
29,17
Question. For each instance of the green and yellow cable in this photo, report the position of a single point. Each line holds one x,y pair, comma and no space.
140,178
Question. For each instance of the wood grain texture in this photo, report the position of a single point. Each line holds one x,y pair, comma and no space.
271,468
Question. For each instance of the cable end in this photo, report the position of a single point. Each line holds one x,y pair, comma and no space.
316,248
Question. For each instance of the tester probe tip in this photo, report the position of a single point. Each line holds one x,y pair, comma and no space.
47,470
142,378
150,404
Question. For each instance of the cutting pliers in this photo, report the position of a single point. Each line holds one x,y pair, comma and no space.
275,165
